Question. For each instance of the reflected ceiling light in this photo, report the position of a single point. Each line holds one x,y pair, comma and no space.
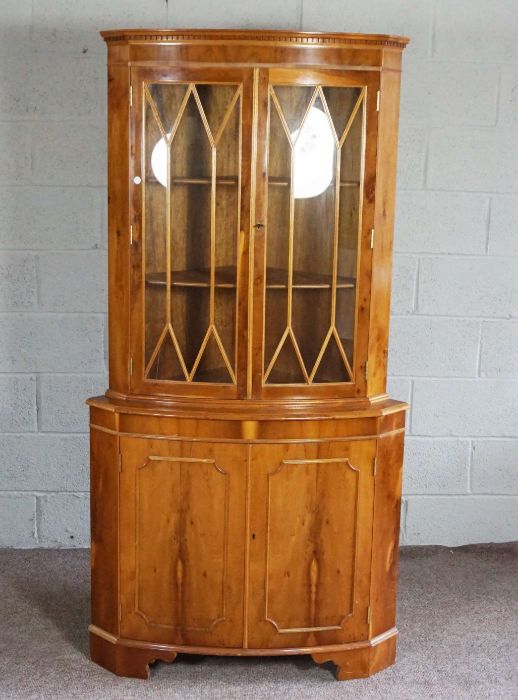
313,155
159,161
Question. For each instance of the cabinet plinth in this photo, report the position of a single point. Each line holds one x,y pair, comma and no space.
246,460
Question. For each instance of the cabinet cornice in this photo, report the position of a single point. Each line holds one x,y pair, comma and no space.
251,35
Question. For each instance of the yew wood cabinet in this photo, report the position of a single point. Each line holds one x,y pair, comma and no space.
246,459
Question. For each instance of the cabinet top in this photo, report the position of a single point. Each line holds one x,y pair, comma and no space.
254,36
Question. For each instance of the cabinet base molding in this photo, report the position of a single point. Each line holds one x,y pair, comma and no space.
132,658
125,660
360,662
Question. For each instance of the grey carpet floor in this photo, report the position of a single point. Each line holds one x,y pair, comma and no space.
458,622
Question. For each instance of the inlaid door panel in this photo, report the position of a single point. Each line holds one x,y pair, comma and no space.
310,543
182,541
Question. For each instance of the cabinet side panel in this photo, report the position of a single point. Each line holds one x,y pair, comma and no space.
104,511
384,231
385,544
118,224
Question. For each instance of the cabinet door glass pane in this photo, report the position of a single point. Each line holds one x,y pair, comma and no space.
191,204
315,172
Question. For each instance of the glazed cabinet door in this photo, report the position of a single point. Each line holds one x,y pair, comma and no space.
310,543
315,208
182,549
190,185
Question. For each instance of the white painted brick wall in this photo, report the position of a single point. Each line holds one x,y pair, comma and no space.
60,410
494,466
454,351
502,223
73,281
39,462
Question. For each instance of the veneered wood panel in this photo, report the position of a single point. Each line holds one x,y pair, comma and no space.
384,232
101,417
142,53
274,430
118,225
385,544
310,543
182,541
104,523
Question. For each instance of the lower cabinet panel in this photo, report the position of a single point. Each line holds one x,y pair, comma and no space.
231,545
182,525
310,547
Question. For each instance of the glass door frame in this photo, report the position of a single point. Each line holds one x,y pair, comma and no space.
136,362
369,81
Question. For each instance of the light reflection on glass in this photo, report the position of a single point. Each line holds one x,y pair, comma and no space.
159,161
313,155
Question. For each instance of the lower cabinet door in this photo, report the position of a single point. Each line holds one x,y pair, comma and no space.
182,547
310,535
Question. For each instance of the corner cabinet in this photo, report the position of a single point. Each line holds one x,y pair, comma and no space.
246,460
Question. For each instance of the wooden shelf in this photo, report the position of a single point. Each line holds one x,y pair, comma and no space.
214,375
277,278
284,182
225,278
224,180
232,181
282,377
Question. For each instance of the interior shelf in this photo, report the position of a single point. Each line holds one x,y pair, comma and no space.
213,375
277,278
225,277
231,180
284,182
223,180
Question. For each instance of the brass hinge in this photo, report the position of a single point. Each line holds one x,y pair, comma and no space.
119,460
367,369
120,612
372,238
130,366
369,615
378,97
375,466
131,95
131,234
